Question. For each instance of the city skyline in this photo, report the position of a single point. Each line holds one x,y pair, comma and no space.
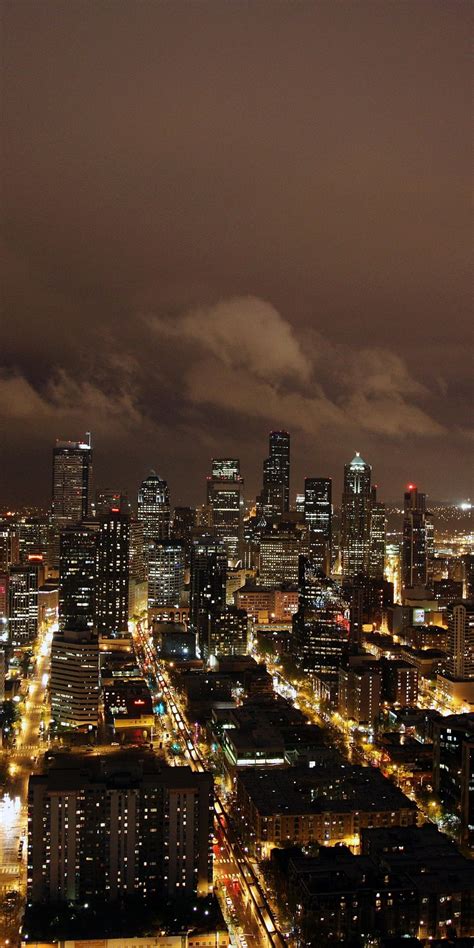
241,219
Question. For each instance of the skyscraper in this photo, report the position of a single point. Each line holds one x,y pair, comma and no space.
74,685
355,520
113,566
105,828
320,625
165,574
23,584
276,476
378,526
154,508
414,551
225,500
460,663
318,518
72,481
208,587
77,575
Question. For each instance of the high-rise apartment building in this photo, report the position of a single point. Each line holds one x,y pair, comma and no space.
78,575
355,518
153,509
72,481
74,683
318,518
359,690
208,587
378,530
414,550
228,632
276,476
453,770
23,585
114,827
113,565
33,538
460,662
225,501
165,573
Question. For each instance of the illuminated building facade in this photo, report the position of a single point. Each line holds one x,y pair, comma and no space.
378,529
23,586
165,574
208,587
153,509
75,679
106,829
113,565
276,476
78,575
72,481
355,518
280,550
318,517
414,550
225,501
228,632
460,663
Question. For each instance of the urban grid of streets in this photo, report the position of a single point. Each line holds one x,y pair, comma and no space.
247,905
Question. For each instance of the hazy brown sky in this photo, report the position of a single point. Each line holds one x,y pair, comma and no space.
226,217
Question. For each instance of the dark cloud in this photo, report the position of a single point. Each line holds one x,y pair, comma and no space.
225,217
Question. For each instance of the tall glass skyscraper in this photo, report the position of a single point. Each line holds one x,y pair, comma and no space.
415,539
225,500
318,518
153,508
72,482
276,475
355,520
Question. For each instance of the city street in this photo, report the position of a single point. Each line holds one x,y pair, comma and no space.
21,761
245,905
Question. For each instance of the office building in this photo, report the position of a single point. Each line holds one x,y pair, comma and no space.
355,518
153,509
113,565
113,827
108,497
3,671
165,574
9,544
78,575
208,587
280,550
225,501
320,626
276,476
23,585
318,518
74,683
138,570
184,523
414,549
33,538
378,528
72,481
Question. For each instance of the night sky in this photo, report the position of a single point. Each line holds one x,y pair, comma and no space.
226,217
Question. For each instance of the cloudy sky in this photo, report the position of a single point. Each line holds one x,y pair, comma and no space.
231,216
